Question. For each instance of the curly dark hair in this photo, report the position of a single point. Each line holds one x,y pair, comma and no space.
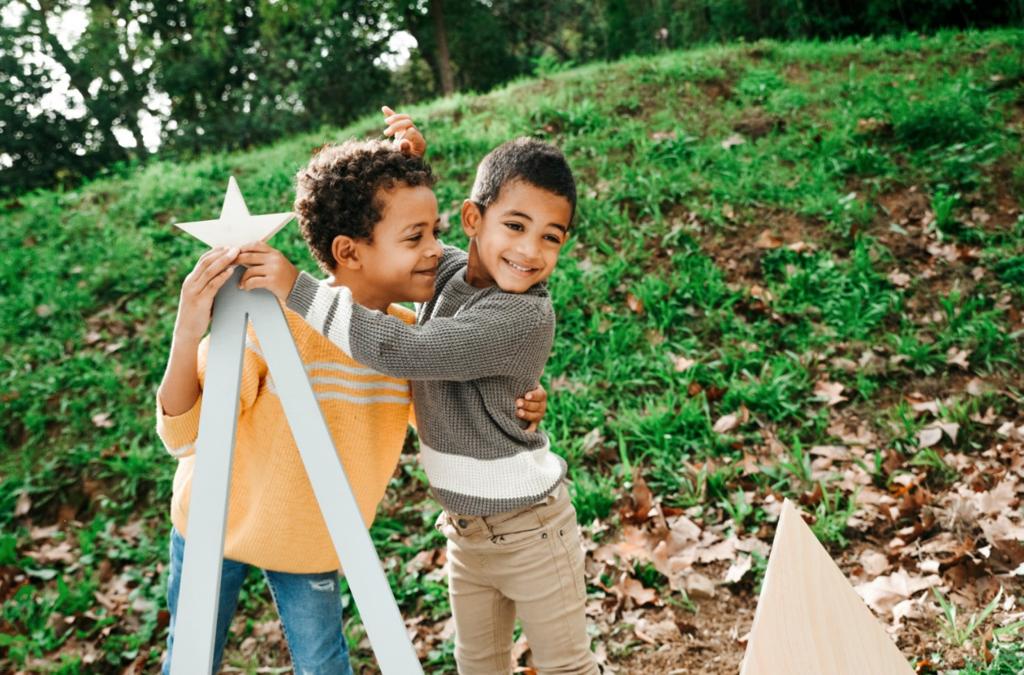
337,192
527,159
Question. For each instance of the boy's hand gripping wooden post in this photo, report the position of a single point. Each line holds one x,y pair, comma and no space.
196,620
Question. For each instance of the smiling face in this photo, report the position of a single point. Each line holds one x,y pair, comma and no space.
515,243
399,262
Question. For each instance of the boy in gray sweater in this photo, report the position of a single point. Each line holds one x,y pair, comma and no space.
513,540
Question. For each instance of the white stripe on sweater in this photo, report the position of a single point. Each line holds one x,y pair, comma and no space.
354,384
363,400
180,452
524,474
321,307
328,394
328,365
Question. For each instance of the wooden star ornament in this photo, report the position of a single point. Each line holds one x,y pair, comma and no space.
236,227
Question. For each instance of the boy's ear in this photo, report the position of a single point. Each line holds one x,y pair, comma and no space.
471,218
345,253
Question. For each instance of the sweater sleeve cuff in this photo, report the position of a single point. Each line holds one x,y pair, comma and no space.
300,299
179,432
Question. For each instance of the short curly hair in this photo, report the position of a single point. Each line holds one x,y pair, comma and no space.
336,193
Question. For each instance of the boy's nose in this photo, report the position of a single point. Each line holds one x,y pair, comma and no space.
528,250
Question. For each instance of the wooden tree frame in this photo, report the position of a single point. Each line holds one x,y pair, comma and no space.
196,620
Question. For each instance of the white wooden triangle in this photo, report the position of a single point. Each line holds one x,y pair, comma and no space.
809,620
236,227
218,420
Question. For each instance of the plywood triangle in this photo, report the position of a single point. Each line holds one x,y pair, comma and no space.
809,620
196,621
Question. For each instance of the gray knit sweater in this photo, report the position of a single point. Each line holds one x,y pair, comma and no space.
472,352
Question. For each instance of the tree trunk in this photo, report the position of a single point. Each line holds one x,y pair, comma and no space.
444,64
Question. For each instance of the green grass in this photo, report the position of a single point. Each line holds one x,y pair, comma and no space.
90,278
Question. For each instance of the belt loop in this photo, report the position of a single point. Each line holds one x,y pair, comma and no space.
487,526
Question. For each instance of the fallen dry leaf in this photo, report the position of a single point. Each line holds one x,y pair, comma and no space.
727,423
733,140
830,392
681,363
900,279
628,587
767,240
592,440
874,562
929,436
23,505
958,357
883,593
634,303
657,633
697,585
102,420
738,569
932,433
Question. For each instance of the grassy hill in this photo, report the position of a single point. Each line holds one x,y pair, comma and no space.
780,248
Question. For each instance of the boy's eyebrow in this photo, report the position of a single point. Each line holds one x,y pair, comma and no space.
520,214
422,223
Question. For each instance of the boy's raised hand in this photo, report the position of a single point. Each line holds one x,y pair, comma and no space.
267,268
532,407
407,136
198,290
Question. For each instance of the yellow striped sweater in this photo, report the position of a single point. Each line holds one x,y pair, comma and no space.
274,521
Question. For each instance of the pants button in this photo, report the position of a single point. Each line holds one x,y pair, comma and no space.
463,522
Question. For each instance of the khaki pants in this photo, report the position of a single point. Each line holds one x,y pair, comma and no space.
526,563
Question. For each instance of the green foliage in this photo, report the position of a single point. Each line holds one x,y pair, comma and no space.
1008,660
956,631
954,115
214,75
832,514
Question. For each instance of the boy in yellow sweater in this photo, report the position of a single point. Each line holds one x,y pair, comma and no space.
369,216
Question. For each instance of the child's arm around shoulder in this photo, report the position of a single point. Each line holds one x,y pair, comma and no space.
480,341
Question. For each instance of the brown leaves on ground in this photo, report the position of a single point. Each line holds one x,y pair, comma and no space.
649,562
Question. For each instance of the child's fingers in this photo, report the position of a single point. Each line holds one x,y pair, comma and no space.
530,406
254,280
253,259
257,246
386,110
402,125
250,273
529,416
397,117
218,281
210,254
532,427
214,266
205,259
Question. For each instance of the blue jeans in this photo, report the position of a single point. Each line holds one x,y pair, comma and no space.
309,606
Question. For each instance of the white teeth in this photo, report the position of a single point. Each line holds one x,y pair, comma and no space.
519,267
